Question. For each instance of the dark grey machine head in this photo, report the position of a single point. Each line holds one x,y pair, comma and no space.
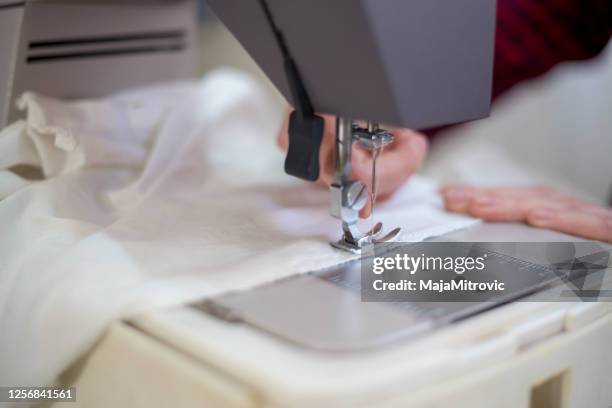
409,63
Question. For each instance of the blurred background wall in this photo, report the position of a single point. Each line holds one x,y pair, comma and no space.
556,130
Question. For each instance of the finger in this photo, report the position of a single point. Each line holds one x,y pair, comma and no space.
539,196
519,192
406,155
457,197
498,204
445,188
592,209
539,206
362,171
367,210
363,156
326,151
573,222
283,135
395,165
491,207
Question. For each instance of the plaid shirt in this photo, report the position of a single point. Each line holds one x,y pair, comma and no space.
534,36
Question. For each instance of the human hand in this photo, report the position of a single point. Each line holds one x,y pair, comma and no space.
397,163
540,207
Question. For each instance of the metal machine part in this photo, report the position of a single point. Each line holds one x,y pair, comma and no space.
324,310
348,196
408,82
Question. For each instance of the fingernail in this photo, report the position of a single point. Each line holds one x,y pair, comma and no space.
485,200
542,216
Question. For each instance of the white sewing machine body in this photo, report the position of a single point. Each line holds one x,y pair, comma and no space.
523,354
557,355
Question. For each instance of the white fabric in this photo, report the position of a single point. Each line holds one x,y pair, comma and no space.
154,198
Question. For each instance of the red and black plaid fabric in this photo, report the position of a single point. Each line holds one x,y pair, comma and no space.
533,36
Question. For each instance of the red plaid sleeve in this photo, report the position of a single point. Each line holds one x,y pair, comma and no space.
534,36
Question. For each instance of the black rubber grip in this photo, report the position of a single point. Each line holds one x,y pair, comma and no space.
305,137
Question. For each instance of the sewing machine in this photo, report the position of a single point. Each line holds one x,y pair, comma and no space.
309,340
416,64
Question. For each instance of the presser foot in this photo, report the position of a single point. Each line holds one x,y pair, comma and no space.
348,196
349,242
